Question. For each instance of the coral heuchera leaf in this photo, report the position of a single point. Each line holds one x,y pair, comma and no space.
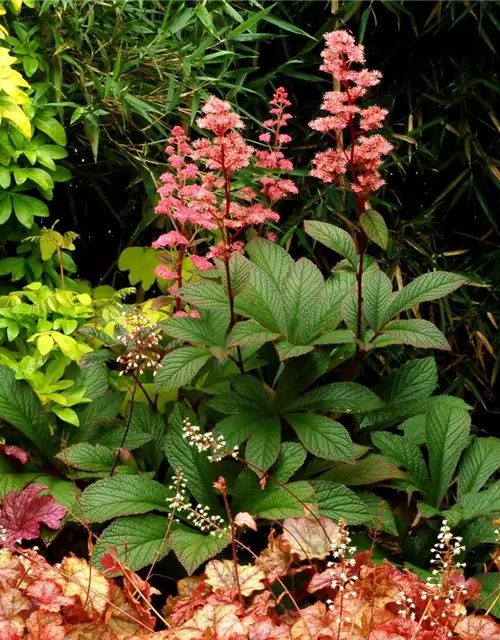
15,452
22,513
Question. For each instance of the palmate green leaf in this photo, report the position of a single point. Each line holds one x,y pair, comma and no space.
488,599
367,470
274,502
341,397
334,238
291,457
263,445
322,436
377,293
480,461
261,301
404,453
349,312
123,496
88,457
205,295
447,431
271,258
195,465
138,540
375,228
250,333
302,291
179,367
417,333
20,407
427,287
193,548
337,501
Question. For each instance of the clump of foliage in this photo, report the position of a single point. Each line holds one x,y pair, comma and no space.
310,581
247,375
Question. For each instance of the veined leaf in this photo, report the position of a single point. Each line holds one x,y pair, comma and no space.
447,431
208,330
291,457
237,428
480,461
263,445
20,407
377,293
193,548
285,350
336,501
367,470
375,228
427,287
205,295
417,333
271,258
406,454
274,501
302,290
138,540
88,457
123,496
179,367
322,436
240,270
261,301
250,333
333,237
341,397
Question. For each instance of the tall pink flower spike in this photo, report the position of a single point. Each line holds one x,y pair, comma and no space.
359,161
197,190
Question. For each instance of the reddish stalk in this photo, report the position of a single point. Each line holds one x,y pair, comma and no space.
221,485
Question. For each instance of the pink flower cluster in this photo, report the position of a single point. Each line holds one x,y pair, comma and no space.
362,158
197,192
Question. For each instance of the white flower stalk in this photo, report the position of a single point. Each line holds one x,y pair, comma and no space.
198,516
216,448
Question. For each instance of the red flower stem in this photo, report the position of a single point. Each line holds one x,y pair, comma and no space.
234,548
227,240
180,260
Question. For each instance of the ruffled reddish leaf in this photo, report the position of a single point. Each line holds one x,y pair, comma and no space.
15,452
9,631
478,628
22,513
47,595
45,626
